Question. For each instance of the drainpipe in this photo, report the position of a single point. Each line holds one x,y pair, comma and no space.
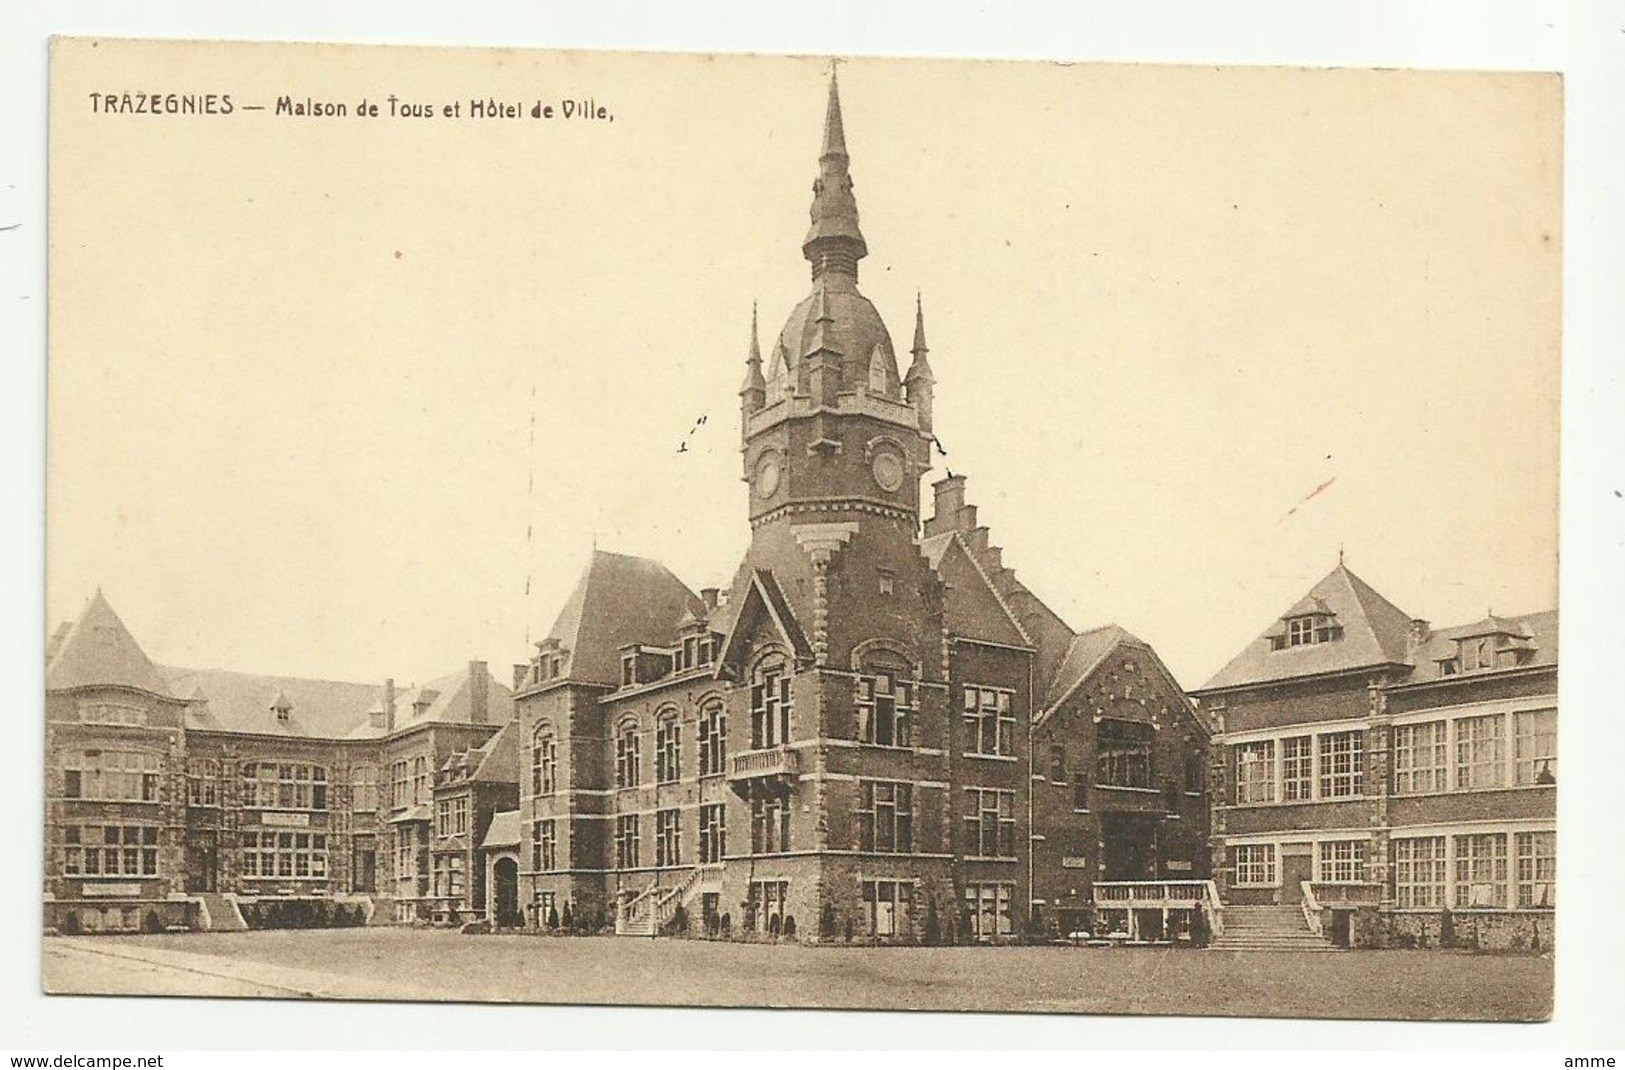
1030,711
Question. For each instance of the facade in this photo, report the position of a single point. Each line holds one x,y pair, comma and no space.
204,798
839,745
1395,780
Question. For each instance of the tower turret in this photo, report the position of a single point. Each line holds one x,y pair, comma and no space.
919,382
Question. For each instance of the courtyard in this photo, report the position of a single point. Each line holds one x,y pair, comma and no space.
415,964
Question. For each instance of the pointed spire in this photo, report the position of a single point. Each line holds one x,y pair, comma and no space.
754,392
921,368
834,242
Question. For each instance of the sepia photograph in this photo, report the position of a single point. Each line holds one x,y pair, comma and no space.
826,532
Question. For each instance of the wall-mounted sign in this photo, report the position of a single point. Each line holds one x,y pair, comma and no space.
111,891
1074,863
1179,866
275,817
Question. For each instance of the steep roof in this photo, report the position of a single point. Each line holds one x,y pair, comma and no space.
498,757
97,650
619,600
223,701
1374,633
450,701
1086,651
973,605
504,830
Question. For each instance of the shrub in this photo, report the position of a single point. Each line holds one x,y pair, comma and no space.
727,925
552,917
679,919
849,930
568,921
789,927
933,924
1447,928
70,923
826,922
151,923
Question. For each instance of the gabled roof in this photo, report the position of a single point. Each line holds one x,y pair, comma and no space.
97,650
504,830
974,609
762,594
497,759
1374,633
449,701
1085,653
1535,633
619,600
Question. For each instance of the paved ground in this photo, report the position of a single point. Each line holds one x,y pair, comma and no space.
439,965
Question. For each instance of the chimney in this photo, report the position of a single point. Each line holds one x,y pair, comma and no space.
389,704
710,596
1417,635
479,692
950,500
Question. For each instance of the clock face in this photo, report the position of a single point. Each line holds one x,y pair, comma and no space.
767,475
888,471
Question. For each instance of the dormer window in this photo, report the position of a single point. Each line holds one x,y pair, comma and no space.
629,669
1308,630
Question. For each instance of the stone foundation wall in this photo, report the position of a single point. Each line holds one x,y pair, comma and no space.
1479,930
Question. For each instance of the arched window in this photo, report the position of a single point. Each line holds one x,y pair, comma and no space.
627,755
713,740
770,704
544,756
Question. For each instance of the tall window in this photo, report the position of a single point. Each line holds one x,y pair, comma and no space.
1481,870
627,749
544,759
112,775
543,846
667,751
364,788
1342,861
889,905
1254,864
770,707
1421,757
1255,772
1419,872
987,907
451,816
1480,752
1297,769
1534,747
713,737
668,837
110,850
422,790
990,823
1342,764
713,832
202,782
1537,869
406,851
1123,754
112,713
769,823
885,710
626,841
990,723
885,816
284,786
399,786
284,854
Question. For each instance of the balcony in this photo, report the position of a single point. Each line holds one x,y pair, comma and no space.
769,763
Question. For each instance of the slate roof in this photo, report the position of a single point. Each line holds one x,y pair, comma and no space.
504,830
619,600
498,757
1374,633
448,699
1534,632
223,701
97,650
1085,653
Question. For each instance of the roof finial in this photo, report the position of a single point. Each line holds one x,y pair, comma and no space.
834,241
1339,555
755,388
919,326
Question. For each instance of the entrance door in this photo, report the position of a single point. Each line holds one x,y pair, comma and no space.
366,868
202,866
1297,866
505,894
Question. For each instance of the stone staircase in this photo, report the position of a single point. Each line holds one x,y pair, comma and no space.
1268,928
220,914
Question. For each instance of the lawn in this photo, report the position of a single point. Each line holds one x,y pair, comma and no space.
420,964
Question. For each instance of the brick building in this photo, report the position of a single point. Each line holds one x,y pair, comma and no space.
839,744
189,797
1395,782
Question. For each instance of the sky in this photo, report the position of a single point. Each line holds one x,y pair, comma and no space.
356,397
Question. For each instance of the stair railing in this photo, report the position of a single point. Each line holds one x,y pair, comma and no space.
1311,908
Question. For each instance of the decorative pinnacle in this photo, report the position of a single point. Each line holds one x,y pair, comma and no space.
921,368
753,363
834,242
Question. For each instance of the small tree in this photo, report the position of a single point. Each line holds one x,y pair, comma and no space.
70,923
789,926
569,920
826,922
1447,928
679,919
727,925
552,917
151,924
